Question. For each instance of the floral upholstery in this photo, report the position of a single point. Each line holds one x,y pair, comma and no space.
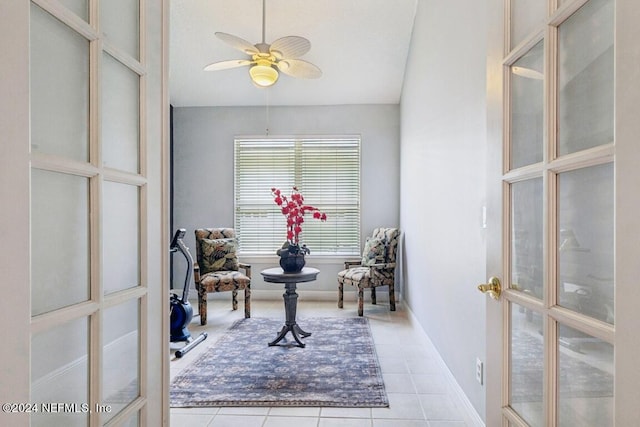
218,254
374,252
217,269
380,270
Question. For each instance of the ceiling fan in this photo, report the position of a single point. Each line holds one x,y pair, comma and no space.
265,60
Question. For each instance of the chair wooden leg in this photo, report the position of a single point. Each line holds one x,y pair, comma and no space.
392,297
247,302
373,296
202,305
340,295
234,299
360,302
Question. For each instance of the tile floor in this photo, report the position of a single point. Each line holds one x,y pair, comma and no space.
421,393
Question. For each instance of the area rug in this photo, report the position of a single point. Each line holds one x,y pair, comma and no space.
576,379
337,368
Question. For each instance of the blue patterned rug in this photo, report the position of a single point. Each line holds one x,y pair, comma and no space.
576,379
337,368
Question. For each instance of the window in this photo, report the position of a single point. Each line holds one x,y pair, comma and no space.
327,173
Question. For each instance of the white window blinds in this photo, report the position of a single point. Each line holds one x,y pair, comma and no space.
326,172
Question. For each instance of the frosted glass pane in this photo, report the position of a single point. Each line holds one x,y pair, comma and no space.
585,78
60,373
59,88
585,380
79,7
121,355
586,241
134,421
59,240
526,18
120,20
120,115
526,237
527,91
121,237
527,365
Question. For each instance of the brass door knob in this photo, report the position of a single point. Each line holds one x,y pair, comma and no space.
492,288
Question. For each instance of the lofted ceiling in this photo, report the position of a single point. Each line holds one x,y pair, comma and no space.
361,47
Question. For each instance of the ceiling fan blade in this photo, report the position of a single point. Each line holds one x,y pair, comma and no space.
237,43
290,47
225,65
299,68
527,72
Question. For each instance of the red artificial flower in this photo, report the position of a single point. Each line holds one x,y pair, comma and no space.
293,208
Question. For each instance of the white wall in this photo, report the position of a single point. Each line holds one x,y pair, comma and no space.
203,171
442,164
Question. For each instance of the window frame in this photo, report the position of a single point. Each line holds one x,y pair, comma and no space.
295,176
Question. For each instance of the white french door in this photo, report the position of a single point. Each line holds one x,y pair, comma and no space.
563,161
91,174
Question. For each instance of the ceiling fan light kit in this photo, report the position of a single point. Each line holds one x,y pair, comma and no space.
263,74
267,59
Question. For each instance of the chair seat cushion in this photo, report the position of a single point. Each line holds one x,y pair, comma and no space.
358,276
221,281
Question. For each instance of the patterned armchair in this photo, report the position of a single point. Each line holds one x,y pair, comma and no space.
217,269
377,268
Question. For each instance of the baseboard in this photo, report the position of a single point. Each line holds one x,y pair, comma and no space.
470,409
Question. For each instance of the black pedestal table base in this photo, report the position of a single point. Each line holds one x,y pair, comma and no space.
277,275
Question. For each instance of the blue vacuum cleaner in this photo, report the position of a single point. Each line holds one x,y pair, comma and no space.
180,309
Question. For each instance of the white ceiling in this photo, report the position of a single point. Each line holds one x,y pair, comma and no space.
360,45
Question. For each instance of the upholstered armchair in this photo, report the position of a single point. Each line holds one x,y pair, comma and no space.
217,269
376,268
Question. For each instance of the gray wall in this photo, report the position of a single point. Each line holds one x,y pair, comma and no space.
443,116
203,162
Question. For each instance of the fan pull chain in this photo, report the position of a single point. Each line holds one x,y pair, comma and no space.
266,95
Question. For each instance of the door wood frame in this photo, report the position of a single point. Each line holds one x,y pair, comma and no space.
624,150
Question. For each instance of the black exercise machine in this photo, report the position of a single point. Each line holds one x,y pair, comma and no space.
180,309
